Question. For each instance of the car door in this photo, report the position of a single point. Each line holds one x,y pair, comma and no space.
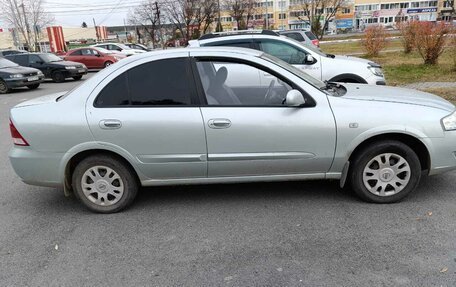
147,109
291,54
89,58
36,62
250,132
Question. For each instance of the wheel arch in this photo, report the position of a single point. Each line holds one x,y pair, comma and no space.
348,78
411,141
78,157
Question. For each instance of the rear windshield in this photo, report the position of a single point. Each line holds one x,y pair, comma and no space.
4,63
310,35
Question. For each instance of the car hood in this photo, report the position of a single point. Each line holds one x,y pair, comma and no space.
52,98
19,70
66,63
352,59
396,95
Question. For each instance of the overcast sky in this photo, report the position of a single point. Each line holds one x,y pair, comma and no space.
71,13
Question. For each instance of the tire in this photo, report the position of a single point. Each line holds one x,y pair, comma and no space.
3,87
58,77
33,87
77,78
390,169
108,63
101,195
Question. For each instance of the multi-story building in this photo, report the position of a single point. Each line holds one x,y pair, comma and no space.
356,14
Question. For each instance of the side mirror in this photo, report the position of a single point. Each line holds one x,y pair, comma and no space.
295,99
309,59
97,55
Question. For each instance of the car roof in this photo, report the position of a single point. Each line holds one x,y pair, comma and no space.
243,36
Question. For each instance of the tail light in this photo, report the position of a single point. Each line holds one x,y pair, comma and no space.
316,43
18,139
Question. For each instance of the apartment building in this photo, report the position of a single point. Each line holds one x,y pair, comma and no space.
355,15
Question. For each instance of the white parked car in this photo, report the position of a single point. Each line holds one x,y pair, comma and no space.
121,48
322,66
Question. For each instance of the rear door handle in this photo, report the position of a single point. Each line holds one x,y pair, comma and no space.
110,124
219,123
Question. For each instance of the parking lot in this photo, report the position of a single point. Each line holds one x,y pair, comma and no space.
267,234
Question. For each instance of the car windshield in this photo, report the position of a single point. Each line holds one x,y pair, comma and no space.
309,47
103,50
303,75
4,63
123,47
47,58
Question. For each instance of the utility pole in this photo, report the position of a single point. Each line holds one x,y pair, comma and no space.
27,29
219,23
96,30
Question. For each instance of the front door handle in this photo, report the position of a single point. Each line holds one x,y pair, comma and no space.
110,124
219,123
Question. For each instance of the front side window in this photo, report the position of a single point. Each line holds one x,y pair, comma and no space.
283,51
239,84
76,53
33,59
162,82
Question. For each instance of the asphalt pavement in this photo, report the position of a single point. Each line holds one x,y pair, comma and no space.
267,234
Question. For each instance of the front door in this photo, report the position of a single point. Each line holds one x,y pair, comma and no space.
251,132
149,113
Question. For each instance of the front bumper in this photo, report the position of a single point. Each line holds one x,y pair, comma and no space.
376,80
23,82
37,168
442,153
76,72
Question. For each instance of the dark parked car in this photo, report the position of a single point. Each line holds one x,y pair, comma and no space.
4,53
14,76
52,66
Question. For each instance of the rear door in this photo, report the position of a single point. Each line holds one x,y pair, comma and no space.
148,110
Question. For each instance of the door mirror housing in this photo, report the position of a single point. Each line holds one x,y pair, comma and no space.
295,98
309,59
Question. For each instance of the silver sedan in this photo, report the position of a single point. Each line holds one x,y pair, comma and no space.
224,115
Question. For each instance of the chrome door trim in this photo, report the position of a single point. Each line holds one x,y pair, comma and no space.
169,158
259,156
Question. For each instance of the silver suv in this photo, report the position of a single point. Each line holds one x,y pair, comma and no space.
322,66
304,36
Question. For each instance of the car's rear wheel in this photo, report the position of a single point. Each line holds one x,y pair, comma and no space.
107,64
104,184
33,87
3,87
385,172
77,78
58,77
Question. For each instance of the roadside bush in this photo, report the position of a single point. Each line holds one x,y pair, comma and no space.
430,40
374,40
408,33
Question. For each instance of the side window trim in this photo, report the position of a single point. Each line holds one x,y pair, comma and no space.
202,94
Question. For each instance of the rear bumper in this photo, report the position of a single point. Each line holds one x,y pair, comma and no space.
23,82
36,168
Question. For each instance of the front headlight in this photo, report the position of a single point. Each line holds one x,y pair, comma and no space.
40,73
449,122
70,67
376,71
15,76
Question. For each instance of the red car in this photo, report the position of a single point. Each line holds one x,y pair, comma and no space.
93,58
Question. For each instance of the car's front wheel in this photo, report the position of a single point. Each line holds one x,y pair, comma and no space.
385,172
104,184
3,87
58,77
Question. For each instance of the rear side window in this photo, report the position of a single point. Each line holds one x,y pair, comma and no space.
21,60
311,35
76,53
115,93
163,82
295,36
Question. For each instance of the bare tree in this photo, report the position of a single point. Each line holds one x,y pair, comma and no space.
318,12
148,15
28,18
191,17
241,11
